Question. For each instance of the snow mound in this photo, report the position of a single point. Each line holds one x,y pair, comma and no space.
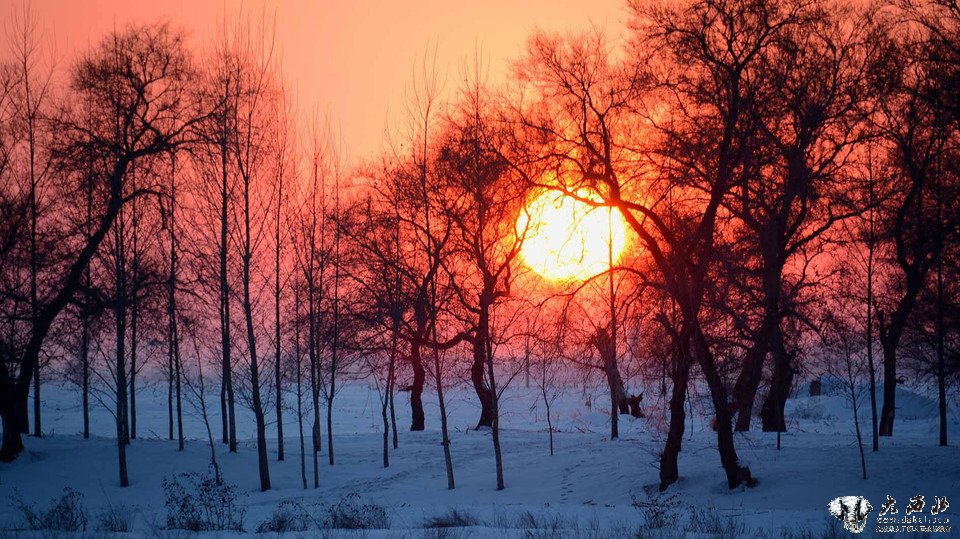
912,405
835,405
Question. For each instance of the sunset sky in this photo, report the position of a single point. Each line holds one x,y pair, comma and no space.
352,58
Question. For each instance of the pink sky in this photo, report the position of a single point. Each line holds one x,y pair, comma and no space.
352,58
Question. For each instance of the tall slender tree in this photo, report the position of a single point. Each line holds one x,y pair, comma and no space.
253,125
140,77
33,96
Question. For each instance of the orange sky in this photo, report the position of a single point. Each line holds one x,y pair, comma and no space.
352,58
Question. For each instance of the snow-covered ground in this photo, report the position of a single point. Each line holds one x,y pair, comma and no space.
588,488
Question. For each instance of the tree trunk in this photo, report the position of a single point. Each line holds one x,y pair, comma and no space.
223,404
227,394
771,414
37,431
438,379
335,345
134,327
614,416
85,315
483,337
388,391
751,374
669,470
444,430
484,395
856,414
619,402
745,390
170,375
252,346
278,382
121,360
873,386
9,416
869,334
173,343
417,422
171,338
393,412
122,457
941,360
255,378
889,387
85,373
314,384
34,300
134,308
23,411
19,389
330,425
386,430
890,335
608,350
298,358
736,474
181,440
335,342
914,276
303,456
546,404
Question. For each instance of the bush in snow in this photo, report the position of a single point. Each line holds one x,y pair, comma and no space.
65,513
202,502
831,529
603,529
709,522
811,410
452,519
444,533
114,519
352,514
658,509
288,516
544,526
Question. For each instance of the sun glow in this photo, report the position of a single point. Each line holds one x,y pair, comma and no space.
567,239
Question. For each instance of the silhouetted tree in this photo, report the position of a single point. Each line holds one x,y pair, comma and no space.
919,121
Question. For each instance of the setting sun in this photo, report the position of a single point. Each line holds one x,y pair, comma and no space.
567,239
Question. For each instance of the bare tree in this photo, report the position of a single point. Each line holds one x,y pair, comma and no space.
310,249
174,363
401,259
376,270
153,100
798,191
873,180
197,387
285,151
254,117
33,93
840,339
941,21
544,355
919,123
336,324
482,194
218,169
298,364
